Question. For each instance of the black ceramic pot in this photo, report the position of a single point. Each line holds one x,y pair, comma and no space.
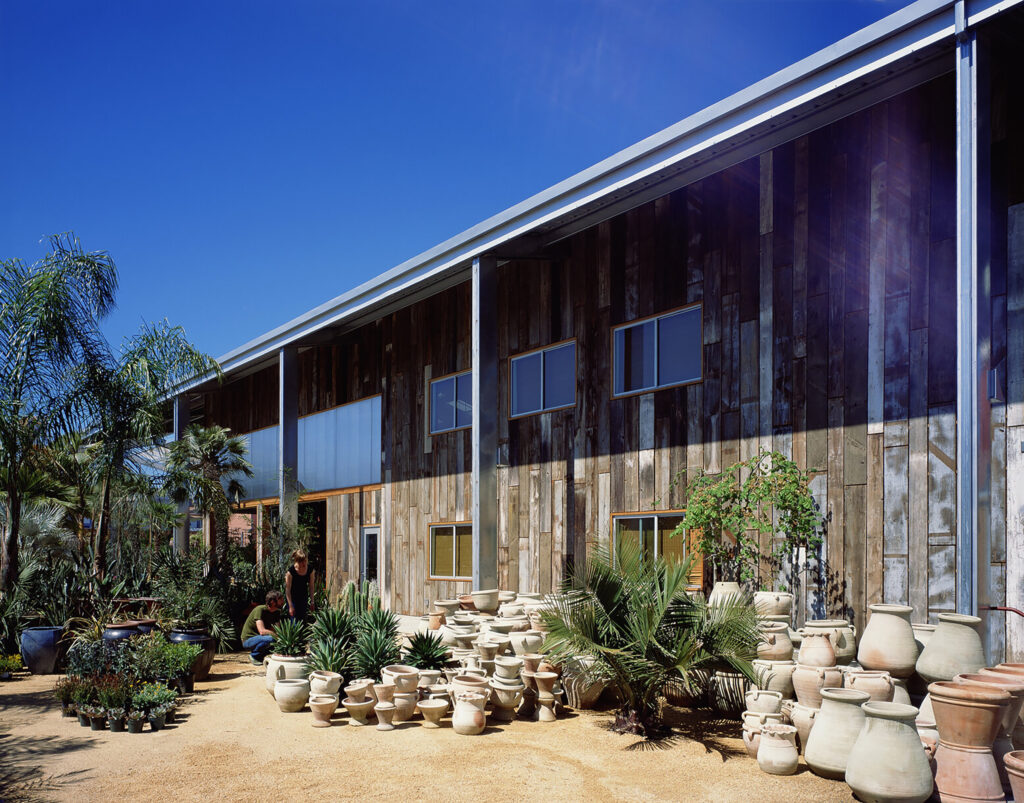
40,649
201,666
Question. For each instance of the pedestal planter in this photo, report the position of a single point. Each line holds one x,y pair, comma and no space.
448,607
776,676
505,700
405,706
777,753
546,700
887,643
773,603
775,644
1003,742
40,649
968,718
953,649
201,666
358,710
323,707
808,681
385,712
836,728
382,692
887,763
1014,764
842,635
877,684
291,694
432,710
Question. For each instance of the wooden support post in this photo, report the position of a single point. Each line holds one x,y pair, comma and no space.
181,421
485,424
288,439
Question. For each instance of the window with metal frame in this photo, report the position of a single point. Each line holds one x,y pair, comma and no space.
451,551
658,352
451,402
544,379
653,533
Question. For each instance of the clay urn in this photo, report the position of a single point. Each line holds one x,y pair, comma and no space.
323,707
291,694
405,678
817,648
775,676
1003,743
775,644
954,648
357,691
808,681
358,710
900,694
803,717
446,606
384,692
764,702
758,719
435,620
284,667
505,700
877,684
836,728
405,705
887,763
526,641
887,643
724,591
322,682
469,719
1014,764
428,677
751,739
773,603
922,634
385,712
968,717
777,753
465,683
794,635
842,635
432,709
486,601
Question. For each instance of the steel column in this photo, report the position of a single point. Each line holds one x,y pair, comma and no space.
485,423
288,439
181,421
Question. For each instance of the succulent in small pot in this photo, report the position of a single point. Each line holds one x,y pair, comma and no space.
158,716
116,719
97,716
64,691
135,720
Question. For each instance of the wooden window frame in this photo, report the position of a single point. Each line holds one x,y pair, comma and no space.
430,551
550,347
698,305
430,402
647,514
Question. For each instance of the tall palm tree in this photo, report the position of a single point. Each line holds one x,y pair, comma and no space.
203,468
50,313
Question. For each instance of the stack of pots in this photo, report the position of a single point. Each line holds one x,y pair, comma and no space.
763,708
1003,743
507,688
815,671
836,727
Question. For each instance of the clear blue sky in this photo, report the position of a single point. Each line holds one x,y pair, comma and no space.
246,161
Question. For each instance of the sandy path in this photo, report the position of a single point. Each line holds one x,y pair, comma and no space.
232,743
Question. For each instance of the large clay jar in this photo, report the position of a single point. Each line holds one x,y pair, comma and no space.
724,591
773,603
808,681
794,635
526,641
1003,743
887,762
291,694
1014,763
469,719
777,753
953,649
887,643
878,685
292,667
968,717
803,717
775,644
727,690
763,702
836,728
817,648
775,676
843,637
923,633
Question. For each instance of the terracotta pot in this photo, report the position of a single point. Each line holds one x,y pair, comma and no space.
323,707
469,683
878,685
836,728
582,689
531,661
758,719
486,601
764,702
321,682
773,603
775,644
1014,764
794,635
724,591
383,692
899,691
283,667
953,649
727,691
777,753
468,719
466,602
405,705
751,739
428,677
968,717
446,606
505,700
776,676
887,643
405,678
485,649
508,668
808,681
843,637
385,712
887,763
526,641
358,710
357,691
818,648
435,620
803,717
1003,743
291,694
432,710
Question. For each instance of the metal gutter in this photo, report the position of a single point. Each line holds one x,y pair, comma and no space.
774,102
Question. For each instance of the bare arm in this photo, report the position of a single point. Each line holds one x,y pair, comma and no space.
288,593
262,629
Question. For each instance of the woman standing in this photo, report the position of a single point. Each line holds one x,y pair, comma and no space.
298,581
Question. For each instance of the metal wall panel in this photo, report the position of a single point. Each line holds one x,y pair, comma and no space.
263,448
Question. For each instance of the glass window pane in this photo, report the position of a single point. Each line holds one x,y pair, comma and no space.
442,404
647,534
464,404
634,357
442,558
560,376
526,390
628,529
679,347
673,547
464,551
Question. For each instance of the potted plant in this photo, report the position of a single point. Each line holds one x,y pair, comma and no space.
376,643
181,658
288,657
116,719
425,651
83,695
135,720
97,716
9,664
64,691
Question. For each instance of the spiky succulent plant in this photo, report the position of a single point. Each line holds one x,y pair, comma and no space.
334,623
425,651
290,638
330,655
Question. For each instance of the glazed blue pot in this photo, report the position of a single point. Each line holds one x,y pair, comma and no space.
40,649
201,666
147,625
120,630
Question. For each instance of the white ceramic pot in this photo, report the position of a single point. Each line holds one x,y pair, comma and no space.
776,676
878,685
777,753
322,682
955,648
358,710
527,641
508,668
486,600
323,707
432,709
509,610
762,701
469,719
446,606
887,643
291,668
887,763
836,728
405,706
843,636
291,694
357,691
722,591
803,717
775,644
773,603
818,648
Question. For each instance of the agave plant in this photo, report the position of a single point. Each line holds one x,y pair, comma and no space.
376,643
334,623
330,655
290,638
425,651
632,615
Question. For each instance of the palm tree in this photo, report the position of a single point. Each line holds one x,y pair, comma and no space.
632,615
49,324
203,468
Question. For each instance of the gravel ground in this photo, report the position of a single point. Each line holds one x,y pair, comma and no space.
232,743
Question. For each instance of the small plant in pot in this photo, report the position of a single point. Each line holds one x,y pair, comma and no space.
135,720
426,651
9,664
83,696
64,691
116,719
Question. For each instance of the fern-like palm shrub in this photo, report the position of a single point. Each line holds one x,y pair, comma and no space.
426,651
290,638
376,643
633,616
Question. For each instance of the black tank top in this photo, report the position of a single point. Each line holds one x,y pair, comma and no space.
300,586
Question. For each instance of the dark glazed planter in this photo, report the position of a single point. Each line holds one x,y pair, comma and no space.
201,666
135,725
98,723
116,725
40,649
187,683
146,626
83,720
118,631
